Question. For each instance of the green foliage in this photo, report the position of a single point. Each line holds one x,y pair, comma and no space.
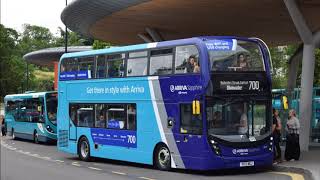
34,38
74,39
14,45
316,81
97,44
280,67
11,66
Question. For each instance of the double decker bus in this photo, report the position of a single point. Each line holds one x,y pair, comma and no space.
32,116
200,103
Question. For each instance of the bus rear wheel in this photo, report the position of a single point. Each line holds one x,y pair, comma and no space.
36,137
84,149
163,158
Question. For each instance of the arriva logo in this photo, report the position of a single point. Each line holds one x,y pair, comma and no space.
178,88
240,151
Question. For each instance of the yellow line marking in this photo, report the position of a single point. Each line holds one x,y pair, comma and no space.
146,178
98,169
120,173
294,176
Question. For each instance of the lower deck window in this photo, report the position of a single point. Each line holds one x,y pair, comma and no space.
111,116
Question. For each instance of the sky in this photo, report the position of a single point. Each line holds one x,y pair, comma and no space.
15,13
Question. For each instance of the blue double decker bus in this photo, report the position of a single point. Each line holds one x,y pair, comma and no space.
199,103
32,116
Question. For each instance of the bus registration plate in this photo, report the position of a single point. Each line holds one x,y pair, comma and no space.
247,164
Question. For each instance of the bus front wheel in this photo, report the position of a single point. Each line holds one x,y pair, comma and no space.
84,149
163,158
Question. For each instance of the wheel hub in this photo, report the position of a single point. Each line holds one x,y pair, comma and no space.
164,156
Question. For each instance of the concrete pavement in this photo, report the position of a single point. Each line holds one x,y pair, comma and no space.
309,164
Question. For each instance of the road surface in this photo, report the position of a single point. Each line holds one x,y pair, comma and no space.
28,161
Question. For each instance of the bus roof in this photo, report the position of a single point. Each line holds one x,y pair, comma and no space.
27,95
150,45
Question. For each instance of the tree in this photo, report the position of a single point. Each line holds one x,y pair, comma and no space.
97,44
35,38
12,69
74,39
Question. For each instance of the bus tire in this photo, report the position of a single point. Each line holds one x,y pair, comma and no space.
12,134
36,137
162,158
84,149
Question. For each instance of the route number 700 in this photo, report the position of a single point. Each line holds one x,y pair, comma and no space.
254,85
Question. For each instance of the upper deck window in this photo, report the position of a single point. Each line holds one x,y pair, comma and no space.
69,65
101,67
137,64
161,62
233,55
86,68
115,65
187,60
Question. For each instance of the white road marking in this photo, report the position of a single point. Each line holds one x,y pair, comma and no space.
120,173
146,178
94,168
75,164
46,158
59,161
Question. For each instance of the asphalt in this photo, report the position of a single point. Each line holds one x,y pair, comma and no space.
26,160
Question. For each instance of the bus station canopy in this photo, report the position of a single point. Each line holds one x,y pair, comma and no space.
46,57
121,21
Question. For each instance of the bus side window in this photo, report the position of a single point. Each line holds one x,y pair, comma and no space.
190,124
161,62
86,65
318,92
101,116
132,117
73,108
69,65
137,64
85,115
187,59
115,65
11,108
101,67
116,116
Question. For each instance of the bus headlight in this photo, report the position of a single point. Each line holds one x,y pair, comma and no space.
215,147
49,129
271,144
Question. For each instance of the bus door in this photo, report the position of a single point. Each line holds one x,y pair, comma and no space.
190,137
73,120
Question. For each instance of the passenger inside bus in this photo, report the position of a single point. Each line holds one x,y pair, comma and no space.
191,65
52,115
196,68
242,126
101,122
242,63
217,120
131,117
